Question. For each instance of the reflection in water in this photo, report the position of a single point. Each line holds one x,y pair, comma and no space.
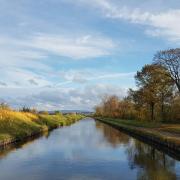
86,150
151,163
113,136
5,150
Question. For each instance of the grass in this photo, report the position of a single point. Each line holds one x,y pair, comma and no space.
172,128
135,123
18,125
168,134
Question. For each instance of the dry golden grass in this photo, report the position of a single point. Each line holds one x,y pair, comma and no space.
17,125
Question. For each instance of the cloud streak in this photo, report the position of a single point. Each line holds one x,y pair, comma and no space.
83,77
40,46
164,23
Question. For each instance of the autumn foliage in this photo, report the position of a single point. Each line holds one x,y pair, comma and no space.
157,97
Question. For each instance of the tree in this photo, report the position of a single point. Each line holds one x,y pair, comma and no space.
113,107
170,59
25,109
126,109
148,88
164,85
175,107
155,86
58,113
137,97
111,104
4,106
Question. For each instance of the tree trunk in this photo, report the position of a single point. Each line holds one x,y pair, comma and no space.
178,85
153,153
152,111
162,107
162,112
164,160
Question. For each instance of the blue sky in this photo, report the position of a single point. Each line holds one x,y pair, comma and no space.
68,54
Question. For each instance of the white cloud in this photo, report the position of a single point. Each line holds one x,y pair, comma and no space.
35,90
28,75
33,82
3,84
19,78
163,23
87,76
77,76
24,61
39,46
74,47
84,98
114,75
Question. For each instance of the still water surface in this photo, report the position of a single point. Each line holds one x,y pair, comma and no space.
84,151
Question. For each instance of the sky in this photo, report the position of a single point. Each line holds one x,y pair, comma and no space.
68,54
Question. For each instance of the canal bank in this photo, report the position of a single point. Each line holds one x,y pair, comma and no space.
19,126
156,136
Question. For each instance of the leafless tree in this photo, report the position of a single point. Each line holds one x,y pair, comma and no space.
170,59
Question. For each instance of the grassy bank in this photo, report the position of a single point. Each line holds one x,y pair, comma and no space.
164,134
15,126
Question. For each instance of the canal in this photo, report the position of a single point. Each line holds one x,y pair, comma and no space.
83,151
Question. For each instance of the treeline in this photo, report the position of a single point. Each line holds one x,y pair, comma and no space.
157,96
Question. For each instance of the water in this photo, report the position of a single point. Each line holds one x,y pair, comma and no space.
84,151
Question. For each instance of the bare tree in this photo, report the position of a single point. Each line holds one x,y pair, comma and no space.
170,59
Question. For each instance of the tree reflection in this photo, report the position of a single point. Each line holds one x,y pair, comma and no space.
151,164
113,136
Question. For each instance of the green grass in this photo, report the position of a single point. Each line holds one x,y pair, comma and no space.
167,133
161,127
136,123
51,121
18,125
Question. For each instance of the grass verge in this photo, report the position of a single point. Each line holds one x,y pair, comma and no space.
15,126
163,134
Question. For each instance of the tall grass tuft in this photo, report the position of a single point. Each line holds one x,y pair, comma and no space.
18,125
